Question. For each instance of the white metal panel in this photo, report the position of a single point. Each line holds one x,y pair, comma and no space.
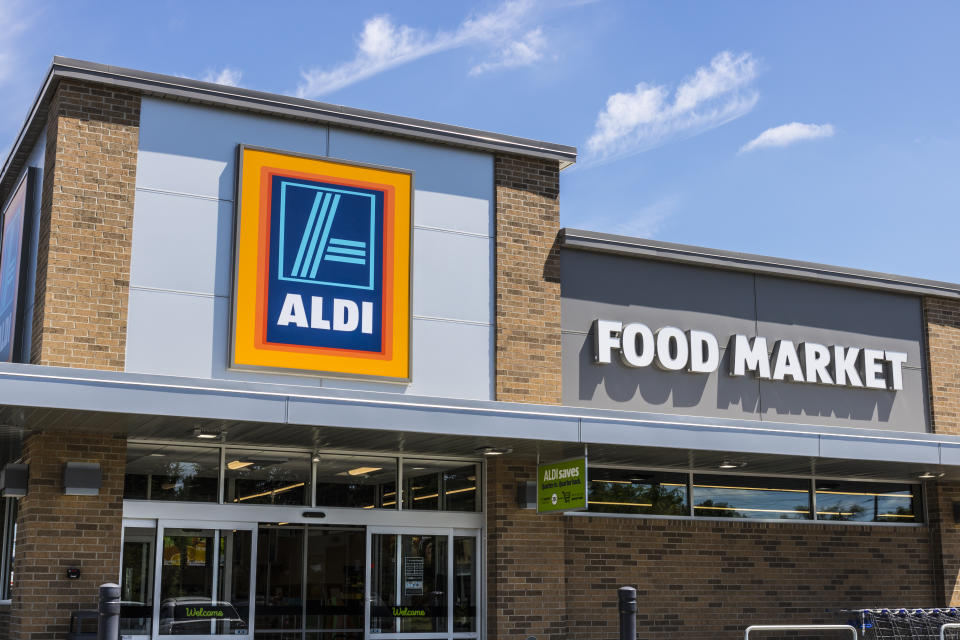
181,243
192,149
170,333
452,276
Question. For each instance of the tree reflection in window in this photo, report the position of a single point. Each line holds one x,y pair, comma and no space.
626,491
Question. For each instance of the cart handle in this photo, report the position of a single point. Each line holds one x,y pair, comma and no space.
808,627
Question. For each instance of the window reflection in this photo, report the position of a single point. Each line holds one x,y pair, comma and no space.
435,485
867,501
264,477
718,496
356,481
171,472
629,491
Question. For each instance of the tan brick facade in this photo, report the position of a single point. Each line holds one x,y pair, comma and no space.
86,221
556,576
527,280
56,532
943,347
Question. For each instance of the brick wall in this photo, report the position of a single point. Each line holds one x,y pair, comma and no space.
56,532
556,577
86,220
527,280
943,347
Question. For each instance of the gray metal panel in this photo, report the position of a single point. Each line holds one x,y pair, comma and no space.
699,437
655,293
452,276
950,454
716,258
432,420
822,405
181,243
878,449
192,149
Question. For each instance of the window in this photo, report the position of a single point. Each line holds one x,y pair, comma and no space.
171,472
266,477
630,491
868,501
8,537
750,497
356,481
436,485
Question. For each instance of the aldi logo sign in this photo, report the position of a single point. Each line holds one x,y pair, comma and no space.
322,279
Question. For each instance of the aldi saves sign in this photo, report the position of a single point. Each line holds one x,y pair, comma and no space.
322,280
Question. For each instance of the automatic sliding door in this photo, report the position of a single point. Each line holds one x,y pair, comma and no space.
334,584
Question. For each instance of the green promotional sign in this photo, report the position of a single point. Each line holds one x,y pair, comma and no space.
562,486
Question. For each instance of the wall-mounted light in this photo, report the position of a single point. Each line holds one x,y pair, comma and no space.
81,478
13,480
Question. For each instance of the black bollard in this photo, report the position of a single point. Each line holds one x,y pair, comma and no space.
627,600
109,609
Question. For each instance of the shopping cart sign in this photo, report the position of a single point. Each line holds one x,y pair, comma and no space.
323,266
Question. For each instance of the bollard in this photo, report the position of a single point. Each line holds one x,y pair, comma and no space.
109,609
627,600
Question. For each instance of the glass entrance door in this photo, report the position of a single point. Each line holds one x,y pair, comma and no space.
203,579
422,583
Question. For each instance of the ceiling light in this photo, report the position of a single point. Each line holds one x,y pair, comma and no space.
233,465
491,451
158,455
359,471
730,464
931,475
205,434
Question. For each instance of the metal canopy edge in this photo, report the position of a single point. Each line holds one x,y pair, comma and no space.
186,89
731,260
114,392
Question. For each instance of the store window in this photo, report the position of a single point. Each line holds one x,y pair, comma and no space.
637,492
750,497
8,537
356,481
171,472
436,485
868,502
266,477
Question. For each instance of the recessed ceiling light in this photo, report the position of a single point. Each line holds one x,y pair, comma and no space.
731,464
491,451
359,471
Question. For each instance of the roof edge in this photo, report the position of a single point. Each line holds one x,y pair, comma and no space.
731,260
160,85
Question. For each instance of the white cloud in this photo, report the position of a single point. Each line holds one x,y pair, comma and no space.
647,117
228,76
787,134
519,53
384,45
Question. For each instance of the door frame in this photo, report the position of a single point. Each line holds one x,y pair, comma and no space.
450,532
216,525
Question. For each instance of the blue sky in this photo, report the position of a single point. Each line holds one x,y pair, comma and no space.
819,131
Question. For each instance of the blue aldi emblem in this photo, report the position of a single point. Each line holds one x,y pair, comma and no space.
325,279
323,266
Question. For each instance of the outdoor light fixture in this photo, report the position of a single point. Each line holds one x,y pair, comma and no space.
205,434
931,475
491,451
81,478
730,464
13,480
